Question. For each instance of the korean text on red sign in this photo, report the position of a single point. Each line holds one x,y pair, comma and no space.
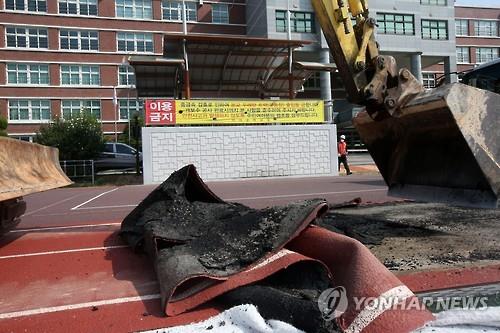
160,112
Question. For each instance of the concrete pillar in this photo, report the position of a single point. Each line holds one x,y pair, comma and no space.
450,69
416,66
326,85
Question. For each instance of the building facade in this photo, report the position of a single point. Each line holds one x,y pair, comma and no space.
477,41
74,52
62,57
418,34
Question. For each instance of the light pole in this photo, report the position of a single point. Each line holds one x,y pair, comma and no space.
115,104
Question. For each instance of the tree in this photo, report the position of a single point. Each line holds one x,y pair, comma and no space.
3,126
132,135
78,138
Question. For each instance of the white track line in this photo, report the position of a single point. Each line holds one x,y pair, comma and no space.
77,306
304,195
255,198
66,227
35,254
51,205
107,207
92,199
366,316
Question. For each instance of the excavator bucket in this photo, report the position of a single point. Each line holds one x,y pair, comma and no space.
444,146
27,168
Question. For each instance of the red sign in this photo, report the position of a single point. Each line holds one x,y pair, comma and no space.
160,112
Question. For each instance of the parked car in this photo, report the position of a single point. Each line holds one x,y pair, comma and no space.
117,156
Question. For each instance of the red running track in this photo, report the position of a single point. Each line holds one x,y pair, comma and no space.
65,269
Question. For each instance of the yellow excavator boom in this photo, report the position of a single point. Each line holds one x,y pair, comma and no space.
440,145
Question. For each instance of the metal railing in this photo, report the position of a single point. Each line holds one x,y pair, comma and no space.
76,169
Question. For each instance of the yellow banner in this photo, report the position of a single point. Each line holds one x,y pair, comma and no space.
200,112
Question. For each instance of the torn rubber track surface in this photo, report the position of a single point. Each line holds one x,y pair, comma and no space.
205,249
199,241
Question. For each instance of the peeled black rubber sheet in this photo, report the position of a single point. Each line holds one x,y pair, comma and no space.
204,248
199,242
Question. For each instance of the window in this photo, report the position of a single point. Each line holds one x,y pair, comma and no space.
462,27
29,110
82,40
32,38
429,80
434,2
135,42
126,76
300,21
28,74
486,28
434,29
220,13
128,107
72,108
396,24
27,138
486,54
281,21
78,7
123,149
27,5
108,148
313,83
172,10
80,75
141,9
463,54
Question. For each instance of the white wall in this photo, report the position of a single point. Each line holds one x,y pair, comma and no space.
233,152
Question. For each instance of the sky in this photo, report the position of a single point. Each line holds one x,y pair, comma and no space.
479,3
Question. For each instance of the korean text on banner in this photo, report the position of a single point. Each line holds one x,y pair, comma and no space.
204,112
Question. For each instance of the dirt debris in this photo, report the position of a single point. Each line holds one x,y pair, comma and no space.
413,236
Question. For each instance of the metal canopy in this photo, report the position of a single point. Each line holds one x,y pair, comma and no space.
278,82
219,66
156,76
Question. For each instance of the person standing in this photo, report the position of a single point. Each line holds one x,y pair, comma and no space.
342,151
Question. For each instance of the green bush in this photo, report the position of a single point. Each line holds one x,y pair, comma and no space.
77,138
3,126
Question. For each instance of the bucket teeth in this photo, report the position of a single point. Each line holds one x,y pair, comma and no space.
443,147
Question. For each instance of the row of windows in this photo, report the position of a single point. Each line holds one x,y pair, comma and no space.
399,24
434,2
483,54
404,24
299,21
27,5
39,110
137,9
434,29
71,75
482,28
80,40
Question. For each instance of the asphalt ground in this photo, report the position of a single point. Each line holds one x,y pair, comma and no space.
65,269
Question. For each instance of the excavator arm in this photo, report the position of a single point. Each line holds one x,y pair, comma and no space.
370,79
440,145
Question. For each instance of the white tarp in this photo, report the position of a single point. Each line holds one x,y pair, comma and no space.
240,319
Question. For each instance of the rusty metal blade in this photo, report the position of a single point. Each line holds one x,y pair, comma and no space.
27,168
443,147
